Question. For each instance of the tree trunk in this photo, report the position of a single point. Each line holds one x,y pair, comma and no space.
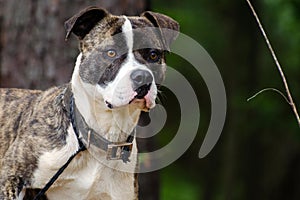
34,54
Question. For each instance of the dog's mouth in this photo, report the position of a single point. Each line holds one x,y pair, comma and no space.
142,99
142,91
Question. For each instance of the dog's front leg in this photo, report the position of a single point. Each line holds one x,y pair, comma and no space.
15,172
11,186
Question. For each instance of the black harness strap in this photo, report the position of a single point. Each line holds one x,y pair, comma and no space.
81,148
55,177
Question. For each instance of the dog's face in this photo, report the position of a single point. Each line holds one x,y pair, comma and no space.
122,57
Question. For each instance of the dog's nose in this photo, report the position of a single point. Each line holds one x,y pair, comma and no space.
140,78
142,81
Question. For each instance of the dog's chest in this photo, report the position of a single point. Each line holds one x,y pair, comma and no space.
87,179
84,178
77,181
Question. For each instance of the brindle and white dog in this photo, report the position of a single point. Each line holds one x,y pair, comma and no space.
114,80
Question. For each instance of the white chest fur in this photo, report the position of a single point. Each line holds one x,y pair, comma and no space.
85,177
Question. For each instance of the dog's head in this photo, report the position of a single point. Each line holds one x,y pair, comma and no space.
122,57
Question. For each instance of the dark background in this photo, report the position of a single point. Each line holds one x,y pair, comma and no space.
258,153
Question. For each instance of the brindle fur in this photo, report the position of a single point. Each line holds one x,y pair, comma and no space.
31,122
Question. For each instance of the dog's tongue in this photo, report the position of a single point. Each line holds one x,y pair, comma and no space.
144,119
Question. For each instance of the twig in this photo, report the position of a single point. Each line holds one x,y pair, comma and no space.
268,89
289,96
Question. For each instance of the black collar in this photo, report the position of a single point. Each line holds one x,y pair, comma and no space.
114,150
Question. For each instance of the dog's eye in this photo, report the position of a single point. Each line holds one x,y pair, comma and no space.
154,56
111,53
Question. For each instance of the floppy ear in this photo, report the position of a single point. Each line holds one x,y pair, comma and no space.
81,23
164,23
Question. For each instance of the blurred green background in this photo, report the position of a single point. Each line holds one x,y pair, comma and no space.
258,153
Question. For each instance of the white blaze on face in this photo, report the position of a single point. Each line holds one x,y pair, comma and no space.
127,30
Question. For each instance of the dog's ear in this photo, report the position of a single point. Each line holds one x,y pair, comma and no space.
164,23
81,23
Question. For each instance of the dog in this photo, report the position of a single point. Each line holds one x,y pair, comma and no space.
92,118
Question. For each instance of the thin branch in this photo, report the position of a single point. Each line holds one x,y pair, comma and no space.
268,89
289,96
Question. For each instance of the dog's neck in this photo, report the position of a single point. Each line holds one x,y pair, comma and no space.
114,125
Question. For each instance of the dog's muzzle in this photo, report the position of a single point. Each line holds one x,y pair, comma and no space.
141,82
139,93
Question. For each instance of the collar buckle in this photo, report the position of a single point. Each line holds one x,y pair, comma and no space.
116,151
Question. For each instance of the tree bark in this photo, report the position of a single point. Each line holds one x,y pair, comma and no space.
34,54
